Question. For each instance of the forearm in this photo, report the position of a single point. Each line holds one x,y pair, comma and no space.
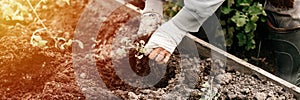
189,19
194,13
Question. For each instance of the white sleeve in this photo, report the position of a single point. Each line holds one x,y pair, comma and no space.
194,13
188,19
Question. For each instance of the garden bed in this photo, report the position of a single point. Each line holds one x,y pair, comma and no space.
29,72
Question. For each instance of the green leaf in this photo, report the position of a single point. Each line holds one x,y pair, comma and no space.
254,18
250,35
264,13
256,9
250,45
242,39
250,27
231,30
240,20
229,42
244,2
263,19
245,9
230,3
225,10
253,41
243,22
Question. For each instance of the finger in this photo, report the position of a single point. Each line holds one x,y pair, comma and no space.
154,53
167,57
161,56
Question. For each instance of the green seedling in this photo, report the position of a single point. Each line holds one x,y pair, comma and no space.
138,46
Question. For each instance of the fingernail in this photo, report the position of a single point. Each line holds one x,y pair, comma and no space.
159,58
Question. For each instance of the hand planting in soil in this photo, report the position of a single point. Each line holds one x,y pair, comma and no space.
173,78
29,72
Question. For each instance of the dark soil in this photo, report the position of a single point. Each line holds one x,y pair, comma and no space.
28,72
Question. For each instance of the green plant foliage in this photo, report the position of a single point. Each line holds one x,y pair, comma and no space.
172,8
129,44
239,20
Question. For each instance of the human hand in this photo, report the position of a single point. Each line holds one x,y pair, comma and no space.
163,42
160,55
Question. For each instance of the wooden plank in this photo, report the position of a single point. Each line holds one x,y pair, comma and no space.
242,66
